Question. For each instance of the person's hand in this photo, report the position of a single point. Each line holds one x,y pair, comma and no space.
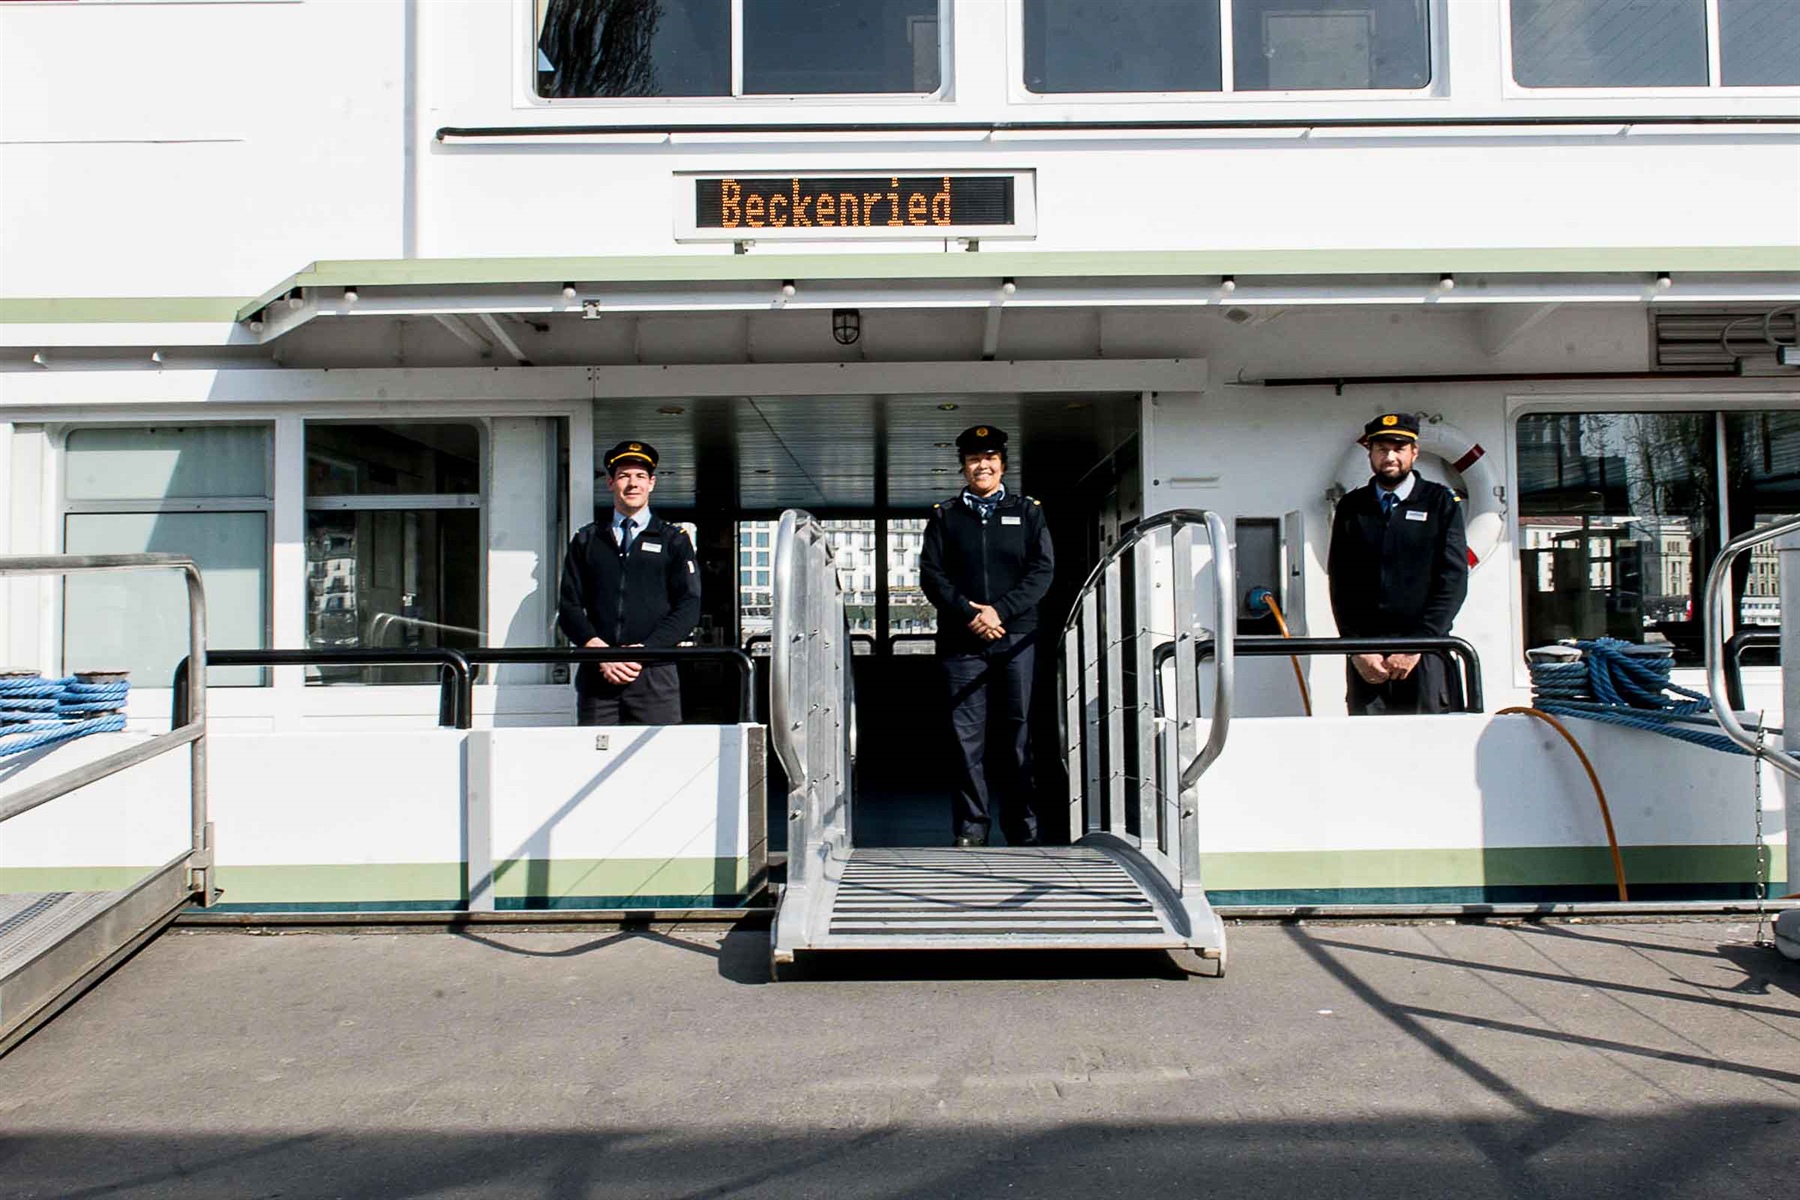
619,673
1401,665
593,643
986,623
1372,667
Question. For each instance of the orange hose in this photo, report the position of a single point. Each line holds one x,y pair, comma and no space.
1612,838
1299,675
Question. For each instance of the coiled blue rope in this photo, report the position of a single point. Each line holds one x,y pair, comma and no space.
36,712
1621,683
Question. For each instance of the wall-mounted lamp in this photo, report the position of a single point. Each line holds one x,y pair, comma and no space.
350,296
256,325
1228,284
40,359
846,326
1446,283
787,287
1664,282
156,356
569,292
295,299
1008,287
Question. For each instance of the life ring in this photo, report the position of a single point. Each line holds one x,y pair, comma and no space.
1485,518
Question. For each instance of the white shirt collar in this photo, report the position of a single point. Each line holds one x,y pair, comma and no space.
1404,490
638,523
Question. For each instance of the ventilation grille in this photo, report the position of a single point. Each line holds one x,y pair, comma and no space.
1721,338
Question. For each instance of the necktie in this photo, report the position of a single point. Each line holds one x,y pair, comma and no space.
1387,503
625,527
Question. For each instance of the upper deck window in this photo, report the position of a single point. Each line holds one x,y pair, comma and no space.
1092,46
589,49
1655,43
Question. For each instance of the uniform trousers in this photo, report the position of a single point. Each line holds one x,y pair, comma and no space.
1431,687
653,698
990,702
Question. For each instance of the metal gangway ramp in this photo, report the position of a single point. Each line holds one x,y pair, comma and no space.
54,945
1132,878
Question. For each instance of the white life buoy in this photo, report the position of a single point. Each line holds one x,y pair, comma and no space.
1485,518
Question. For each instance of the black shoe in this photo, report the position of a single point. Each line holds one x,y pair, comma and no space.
970,841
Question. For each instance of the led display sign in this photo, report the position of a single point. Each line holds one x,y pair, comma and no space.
751,206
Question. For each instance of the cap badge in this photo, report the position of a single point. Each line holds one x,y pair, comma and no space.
635,446
1390,419
981,431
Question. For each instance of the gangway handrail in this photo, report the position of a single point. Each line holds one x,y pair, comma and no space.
191,733
1718,581
506,655
380,622
1270,646
1735,645
455,707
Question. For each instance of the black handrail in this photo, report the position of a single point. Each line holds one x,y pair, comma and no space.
484,655
456,680
1282,647
1735,645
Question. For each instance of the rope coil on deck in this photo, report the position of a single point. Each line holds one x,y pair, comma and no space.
36,712
1626,684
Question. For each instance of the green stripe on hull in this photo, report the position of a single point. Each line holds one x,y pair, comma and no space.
557,878
1481,870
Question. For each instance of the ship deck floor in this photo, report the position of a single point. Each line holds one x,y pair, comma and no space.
1420,1060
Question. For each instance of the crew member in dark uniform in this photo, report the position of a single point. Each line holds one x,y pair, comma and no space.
629,581
985,565
1399,566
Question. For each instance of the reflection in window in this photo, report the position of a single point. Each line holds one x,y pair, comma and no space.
1616,526
393,542
198,490
1763,458
641,48
1609,43
1759,42
1105,46
634,48
909,612
1303,45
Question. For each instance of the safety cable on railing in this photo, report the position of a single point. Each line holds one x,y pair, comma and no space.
36,712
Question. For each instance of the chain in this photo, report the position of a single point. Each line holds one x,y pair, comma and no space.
1762,882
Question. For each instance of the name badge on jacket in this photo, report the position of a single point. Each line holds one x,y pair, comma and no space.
1012,520
1416,515
651,547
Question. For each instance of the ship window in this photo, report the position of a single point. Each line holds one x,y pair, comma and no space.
1176,45
198,490
1654,43
647,48
393,542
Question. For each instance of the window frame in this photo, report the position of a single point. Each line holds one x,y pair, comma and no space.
66,507
1436,57
1714,86
527,60
1716,404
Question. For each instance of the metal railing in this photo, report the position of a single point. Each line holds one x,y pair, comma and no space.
1140,785
381,622
1467,660
504,655
1718,587
455,676
190,732
812,721
1735,646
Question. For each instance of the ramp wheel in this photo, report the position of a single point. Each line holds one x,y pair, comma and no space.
1206,964
783,969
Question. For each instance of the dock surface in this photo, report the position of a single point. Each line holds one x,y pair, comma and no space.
1598,1060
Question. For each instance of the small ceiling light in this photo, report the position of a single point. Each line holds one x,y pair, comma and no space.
1664,282
40,359
764,471
569,292
295,299
787,287
942,445
350,296
1446,283
846,325
940,470
947,408
156,356
671,410
256,327
590,310
1008,287
1228,284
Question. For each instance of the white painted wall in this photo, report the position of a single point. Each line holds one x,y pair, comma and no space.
261,136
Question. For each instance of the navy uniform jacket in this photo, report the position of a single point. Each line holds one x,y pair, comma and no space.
1005,562
649,597
1402,574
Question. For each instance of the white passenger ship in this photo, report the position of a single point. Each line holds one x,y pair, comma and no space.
338,301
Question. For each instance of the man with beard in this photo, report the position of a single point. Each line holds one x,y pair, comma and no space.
985,565
1399,566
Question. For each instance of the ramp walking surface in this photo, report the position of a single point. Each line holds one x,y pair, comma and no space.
1404,1061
